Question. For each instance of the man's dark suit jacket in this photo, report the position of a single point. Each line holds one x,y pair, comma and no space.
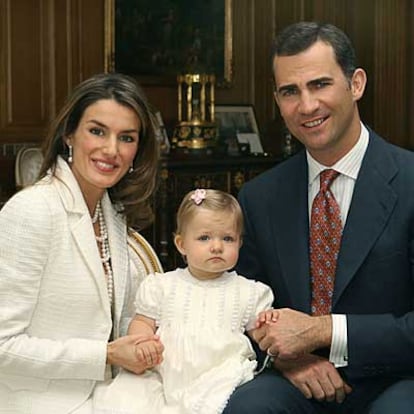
374,283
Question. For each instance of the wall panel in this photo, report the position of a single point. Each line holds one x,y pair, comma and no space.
263,81
410,83
390,71
48,46
25,42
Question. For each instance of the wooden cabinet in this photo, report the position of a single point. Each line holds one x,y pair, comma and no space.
179,174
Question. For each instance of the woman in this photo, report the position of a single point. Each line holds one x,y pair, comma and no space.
66,288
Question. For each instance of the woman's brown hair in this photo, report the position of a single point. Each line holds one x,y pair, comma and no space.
133,193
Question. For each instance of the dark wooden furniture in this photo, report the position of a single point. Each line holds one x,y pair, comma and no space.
180,174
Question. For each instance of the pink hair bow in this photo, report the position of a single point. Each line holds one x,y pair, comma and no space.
198,196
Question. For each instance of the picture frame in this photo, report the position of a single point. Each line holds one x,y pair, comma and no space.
238,128
236,118
159,40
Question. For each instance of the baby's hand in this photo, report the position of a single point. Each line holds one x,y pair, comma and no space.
150,352
267,317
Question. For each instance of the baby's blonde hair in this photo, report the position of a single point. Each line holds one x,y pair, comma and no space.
214,200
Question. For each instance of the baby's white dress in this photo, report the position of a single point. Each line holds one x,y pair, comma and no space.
206,356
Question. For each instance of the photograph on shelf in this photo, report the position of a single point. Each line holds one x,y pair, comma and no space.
238,129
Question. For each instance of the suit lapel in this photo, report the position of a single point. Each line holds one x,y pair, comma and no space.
372,203
291,227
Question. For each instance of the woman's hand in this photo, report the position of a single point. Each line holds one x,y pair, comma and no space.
126,353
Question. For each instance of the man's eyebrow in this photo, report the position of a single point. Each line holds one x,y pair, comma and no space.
319,80
313,82
289,87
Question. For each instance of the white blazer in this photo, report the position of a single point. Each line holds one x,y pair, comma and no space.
55,318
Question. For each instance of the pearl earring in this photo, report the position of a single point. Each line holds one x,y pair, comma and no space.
131,169
70,156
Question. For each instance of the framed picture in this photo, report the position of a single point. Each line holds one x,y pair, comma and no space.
233,119
157,40
237,127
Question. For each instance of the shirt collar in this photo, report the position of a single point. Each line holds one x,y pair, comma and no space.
348,165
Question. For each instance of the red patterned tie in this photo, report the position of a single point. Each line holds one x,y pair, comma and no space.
325,239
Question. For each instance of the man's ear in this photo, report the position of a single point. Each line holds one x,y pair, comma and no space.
275,96
358,83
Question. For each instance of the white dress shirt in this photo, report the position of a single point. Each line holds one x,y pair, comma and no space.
342,189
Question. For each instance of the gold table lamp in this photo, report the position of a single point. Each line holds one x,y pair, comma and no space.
196,129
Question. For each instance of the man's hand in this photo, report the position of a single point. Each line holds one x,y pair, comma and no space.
294,334
315,377
124,352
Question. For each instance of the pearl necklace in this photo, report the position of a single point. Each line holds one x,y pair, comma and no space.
102,240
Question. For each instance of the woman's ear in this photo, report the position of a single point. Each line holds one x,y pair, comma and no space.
67,140
358,83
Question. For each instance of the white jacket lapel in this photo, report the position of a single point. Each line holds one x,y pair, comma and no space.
82,229
84,236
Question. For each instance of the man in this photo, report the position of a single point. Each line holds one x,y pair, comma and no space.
344,338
